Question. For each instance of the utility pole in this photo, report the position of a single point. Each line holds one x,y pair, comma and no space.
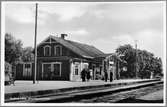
136,66
35,42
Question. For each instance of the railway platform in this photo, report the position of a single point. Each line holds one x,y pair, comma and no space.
26,89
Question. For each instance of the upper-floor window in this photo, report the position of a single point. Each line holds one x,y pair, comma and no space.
58,50
47,50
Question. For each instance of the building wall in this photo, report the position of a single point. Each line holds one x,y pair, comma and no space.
65,69
21,73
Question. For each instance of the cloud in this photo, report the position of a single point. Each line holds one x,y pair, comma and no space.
79,35
151,40
104,25
65,11
23,13
148,39
19,13
129,11
78,32
110,43
123,39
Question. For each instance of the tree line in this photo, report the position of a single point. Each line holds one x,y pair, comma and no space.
14,51
140,63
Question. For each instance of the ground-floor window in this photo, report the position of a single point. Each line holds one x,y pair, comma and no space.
51,70
27,71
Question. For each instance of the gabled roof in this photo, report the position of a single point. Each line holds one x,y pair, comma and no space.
81,49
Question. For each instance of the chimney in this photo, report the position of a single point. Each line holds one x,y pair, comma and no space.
63,36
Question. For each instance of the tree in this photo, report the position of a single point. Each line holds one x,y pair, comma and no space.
13,49
144,61
129,56
27,54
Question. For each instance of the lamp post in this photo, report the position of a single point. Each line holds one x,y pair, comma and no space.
136,66
35,39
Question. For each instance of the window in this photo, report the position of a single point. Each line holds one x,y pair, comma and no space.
27,66
76,68
57,69
47,50
51,70
58,50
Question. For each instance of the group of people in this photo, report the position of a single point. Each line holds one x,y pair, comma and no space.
106,76
85,74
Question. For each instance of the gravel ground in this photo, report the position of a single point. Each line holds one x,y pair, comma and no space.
148,94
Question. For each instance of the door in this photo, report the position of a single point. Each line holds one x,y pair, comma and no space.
46,71
27,71
56,71
76,71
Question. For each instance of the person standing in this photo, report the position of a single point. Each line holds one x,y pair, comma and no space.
12,78
105,76
88,75
83,75
111,76
91,74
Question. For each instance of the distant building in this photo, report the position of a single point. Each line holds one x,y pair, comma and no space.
62,59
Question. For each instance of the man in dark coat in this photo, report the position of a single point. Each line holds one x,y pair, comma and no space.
105,76
83,75
88,75
111,76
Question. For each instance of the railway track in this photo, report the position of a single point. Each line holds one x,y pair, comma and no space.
99,94
129,96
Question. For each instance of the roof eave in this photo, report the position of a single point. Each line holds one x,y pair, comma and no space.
87,56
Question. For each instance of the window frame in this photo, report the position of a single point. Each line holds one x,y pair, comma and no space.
52,64
55,50
77,67
47,46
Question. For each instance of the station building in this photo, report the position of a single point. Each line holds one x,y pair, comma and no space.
62,59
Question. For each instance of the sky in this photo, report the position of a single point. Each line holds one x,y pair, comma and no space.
103,25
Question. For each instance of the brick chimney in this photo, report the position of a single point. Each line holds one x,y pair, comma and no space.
63,36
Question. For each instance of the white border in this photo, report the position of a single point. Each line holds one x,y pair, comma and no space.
164,50
2,51
76,104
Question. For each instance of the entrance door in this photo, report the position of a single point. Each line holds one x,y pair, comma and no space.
46,71
56,72
27,71
76,71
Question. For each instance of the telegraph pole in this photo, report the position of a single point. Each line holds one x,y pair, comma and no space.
136,69
35,42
